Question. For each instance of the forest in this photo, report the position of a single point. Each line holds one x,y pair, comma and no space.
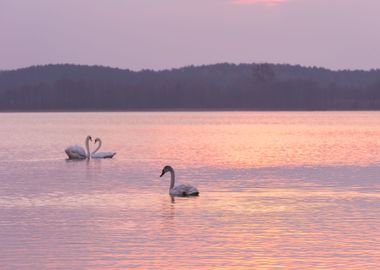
66,87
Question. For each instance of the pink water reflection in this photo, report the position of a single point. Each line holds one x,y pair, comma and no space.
278,190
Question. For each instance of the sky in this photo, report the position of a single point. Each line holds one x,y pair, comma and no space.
161,34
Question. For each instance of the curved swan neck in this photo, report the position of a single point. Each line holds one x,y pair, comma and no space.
88,147
100,145
172,178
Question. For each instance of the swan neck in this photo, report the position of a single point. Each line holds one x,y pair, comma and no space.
97,149
172,179
88,147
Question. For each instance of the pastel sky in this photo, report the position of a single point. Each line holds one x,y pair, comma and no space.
157,34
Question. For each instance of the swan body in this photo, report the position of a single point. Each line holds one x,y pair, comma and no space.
182,190
96,154
103,155
78,152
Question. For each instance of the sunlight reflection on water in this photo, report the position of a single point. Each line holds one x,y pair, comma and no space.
278,190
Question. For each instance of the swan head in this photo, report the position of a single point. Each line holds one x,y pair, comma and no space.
166,169
96,140
89,138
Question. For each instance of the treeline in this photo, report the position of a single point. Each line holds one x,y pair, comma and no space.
209,87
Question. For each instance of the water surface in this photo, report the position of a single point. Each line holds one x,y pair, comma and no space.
287,190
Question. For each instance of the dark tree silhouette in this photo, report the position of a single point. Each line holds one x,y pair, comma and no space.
208,87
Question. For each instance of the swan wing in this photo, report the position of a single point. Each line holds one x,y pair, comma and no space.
103,155
184,190
76,152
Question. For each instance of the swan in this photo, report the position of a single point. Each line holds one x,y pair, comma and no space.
101,154
77,151
181,190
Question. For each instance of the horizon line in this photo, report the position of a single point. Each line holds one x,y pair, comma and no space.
187,66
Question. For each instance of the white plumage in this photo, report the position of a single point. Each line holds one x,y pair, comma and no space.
95,154
181,190
77,151
184,190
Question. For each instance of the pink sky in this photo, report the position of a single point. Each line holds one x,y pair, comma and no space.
251,2
159,34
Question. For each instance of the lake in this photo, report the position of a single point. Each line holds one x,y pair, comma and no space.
278,190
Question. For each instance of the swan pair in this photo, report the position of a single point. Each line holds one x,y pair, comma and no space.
77,151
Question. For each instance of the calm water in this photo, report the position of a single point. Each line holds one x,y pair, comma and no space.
278,191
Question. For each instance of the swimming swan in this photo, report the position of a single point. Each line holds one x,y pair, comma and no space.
180,190
77,151
101,154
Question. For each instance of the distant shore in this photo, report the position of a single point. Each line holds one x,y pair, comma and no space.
179,110
220,87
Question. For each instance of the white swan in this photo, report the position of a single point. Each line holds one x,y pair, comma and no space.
101,154
77,151
180,190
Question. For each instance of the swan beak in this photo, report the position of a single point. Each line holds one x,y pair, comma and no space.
163,172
